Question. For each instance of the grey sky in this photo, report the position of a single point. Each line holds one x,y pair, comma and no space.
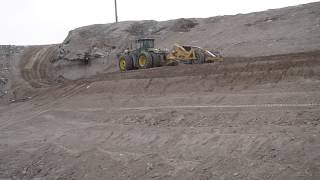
26,22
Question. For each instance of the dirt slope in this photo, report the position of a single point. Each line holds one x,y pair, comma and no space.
279,31
243,118
255,118
25,69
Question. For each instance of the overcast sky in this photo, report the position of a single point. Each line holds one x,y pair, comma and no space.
28,22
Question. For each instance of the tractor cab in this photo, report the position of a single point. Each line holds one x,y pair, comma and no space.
144,44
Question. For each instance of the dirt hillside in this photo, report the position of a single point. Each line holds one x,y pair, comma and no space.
255,115
280,31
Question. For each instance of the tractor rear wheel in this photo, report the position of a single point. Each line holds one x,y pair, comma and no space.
145,60
134,57
200,58
156,60
125,62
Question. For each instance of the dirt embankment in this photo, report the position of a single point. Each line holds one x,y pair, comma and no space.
223,76
279,31
249,118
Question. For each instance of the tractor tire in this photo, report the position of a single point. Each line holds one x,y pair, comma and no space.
134,57
200,58
125,62
145,60
156,60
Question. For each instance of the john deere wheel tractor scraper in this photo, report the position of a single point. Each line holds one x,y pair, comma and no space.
145,55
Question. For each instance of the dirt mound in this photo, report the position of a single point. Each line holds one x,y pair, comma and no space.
279,31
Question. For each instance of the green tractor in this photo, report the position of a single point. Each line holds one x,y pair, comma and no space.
143,56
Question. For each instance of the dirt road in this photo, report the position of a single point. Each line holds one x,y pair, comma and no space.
256,118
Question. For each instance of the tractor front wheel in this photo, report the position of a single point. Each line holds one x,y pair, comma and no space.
125,63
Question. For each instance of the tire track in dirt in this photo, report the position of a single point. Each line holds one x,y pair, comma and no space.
218,106
35,66
76,89
173,107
